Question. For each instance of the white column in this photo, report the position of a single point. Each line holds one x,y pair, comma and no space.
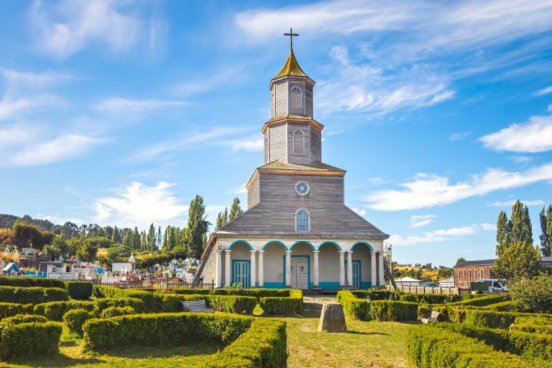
228,268
316,271
218,271
253,269
373,279
261,268
381,279
341,268
350,269
288,268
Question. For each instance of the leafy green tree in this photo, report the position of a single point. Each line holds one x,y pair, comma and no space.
444,272
159,238
502,233
235,210
521,230
197,227
222,219
460,261
520,259
88,247
532,294
25,234
546,231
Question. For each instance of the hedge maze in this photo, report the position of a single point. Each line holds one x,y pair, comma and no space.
34,312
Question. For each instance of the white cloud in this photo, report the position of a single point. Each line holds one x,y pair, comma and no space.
249,144
70,26
376,180
544,91
417,221
138,204
532,136
537,202
426,191
60,148
125,105
364,87
241,190
430,25
439,236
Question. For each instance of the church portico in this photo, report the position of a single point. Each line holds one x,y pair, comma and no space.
303,264
297,231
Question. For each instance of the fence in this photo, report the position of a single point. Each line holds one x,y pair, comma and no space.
427,289
155,284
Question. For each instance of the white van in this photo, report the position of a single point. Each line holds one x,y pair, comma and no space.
490,286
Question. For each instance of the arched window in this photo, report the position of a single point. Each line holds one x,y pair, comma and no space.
302,220
298,142
296,98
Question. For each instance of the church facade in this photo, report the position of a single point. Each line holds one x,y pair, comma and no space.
297,231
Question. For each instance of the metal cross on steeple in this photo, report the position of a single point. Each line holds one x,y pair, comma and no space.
291,35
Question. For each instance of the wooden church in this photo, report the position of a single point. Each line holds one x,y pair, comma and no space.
297,231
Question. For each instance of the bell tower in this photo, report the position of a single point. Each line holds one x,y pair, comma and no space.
292,135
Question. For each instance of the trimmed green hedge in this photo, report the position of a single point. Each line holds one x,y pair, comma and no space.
55,310
516,342
263,345
151,300
505,306
116,311
283,306
75,318
11,309
163,329
187,291
24,281
257,293
80,290
374,294
430,347
526,327
29,339
101,304
390,310
233,303
353,306
31,295
24,318
482,301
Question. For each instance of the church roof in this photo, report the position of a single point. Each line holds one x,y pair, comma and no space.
291,67
319,167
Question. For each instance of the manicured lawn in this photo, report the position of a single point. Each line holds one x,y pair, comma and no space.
71,355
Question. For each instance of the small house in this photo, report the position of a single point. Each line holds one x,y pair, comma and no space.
10,270
408,281
447,283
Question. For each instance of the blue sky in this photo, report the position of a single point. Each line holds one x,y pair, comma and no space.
120,112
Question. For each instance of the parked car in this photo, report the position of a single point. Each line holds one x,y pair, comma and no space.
429,284
489,286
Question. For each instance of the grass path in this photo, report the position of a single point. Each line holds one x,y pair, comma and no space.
366,344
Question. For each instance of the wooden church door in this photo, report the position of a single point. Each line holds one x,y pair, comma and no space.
299,272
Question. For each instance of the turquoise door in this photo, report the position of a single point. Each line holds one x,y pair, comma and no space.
356,274
241,273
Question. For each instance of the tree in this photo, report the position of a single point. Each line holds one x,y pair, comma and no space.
197,226
502,233
444,272
532,294
235,210
25,234
222,219
520,259
460,261
521,230
159,238
151,238
546,231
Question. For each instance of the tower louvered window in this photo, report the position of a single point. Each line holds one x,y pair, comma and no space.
298,142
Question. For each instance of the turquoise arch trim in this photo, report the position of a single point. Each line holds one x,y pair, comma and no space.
363,242
238,242
303,242
275,242
329,242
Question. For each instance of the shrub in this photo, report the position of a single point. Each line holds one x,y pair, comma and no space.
30,282
151,300
233,303
533,319
389,310
189,291
424,311
532,294
29,339
55,310
427,298
31,295
353,306
505,306
257,293
24,318
264,344
283,306
75,318
80,290
173,302
102,304
539,329
116,311
374,294
11,309
490,319
163,329
429,346
481,301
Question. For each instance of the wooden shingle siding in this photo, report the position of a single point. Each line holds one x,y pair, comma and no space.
253,194
315,145
281,98
277,137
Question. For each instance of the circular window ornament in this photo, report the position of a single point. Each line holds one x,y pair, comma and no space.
302,188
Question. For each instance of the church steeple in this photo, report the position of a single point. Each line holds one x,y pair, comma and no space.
292,135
